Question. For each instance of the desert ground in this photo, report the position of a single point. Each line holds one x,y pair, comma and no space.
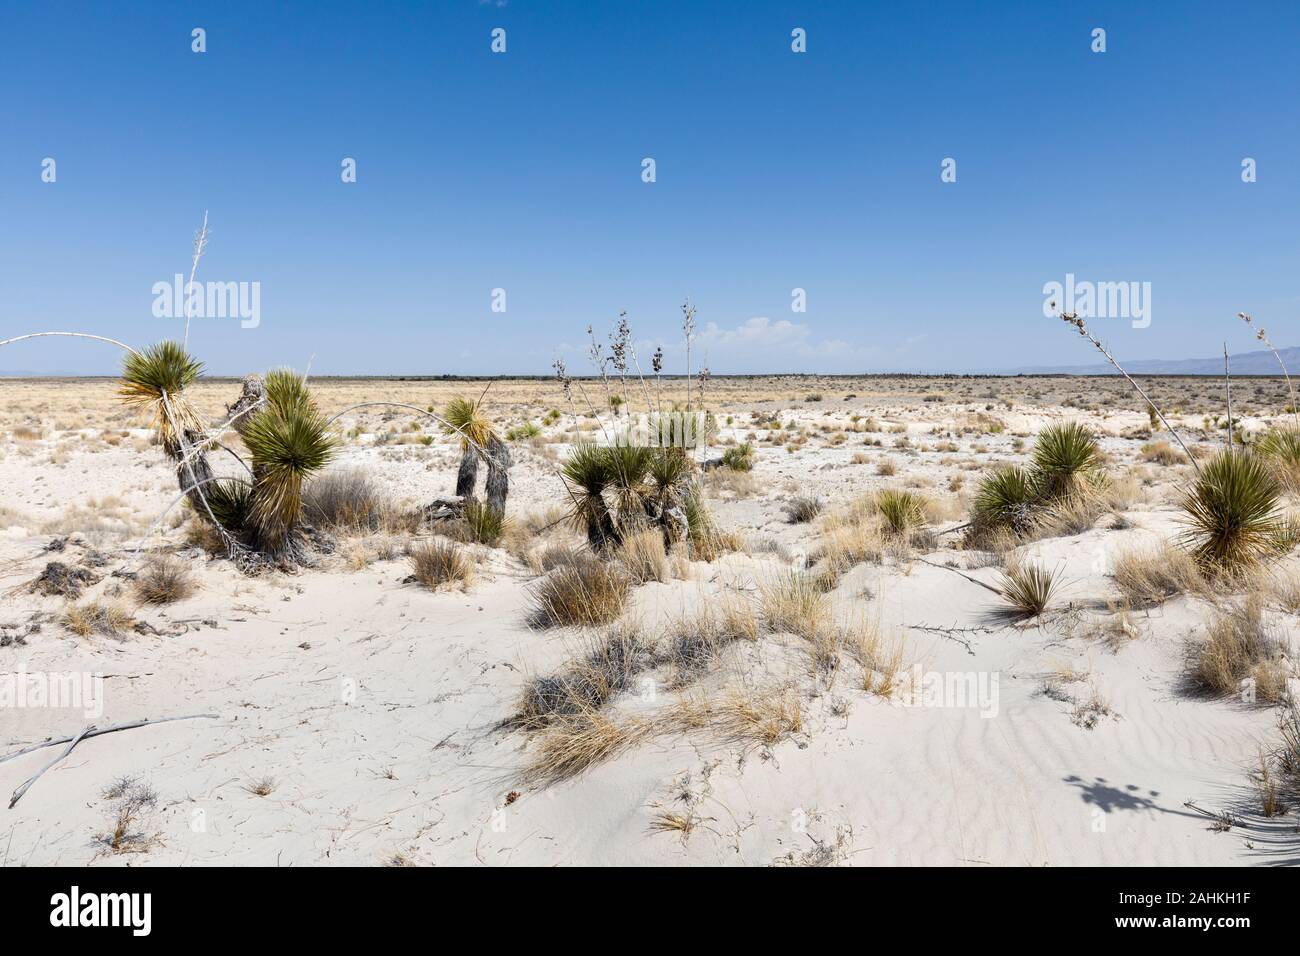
811,688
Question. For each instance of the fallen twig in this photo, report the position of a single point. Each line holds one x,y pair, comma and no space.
96,732
26,785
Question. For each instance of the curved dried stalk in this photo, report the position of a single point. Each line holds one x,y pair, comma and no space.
78,335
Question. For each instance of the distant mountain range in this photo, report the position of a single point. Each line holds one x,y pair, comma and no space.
1244,363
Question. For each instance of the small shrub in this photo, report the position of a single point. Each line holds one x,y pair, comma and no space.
163,580
97,617
739,458
803,509
642,555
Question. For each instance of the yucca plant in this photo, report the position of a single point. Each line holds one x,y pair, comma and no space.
627,468
154,382
465,420
1006,499
1065,457
587,470
1279,449
1027,589
230,501
1232,512
483,524
901,510
288,442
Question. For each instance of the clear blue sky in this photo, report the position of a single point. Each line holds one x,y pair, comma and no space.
522,171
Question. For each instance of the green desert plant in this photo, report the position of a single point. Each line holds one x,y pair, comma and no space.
288,442
1232,513
465,419
1279,449
1005,500
901,510
739,458
154,382
481,523
587,471
1027,588
1065,456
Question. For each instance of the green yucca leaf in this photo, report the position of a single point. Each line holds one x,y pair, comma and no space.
158,370
587,467
1232,512
1006,498
287,448
902,510
286,392
1063,456
231,503
466,420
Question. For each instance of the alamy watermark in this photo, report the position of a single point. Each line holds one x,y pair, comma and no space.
81,690
208,300
944,689
1099,300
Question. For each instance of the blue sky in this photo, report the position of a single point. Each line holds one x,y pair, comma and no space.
522,171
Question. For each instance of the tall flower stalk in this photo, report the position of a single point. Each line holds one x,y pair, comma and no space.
1262,336
1082,327
688,329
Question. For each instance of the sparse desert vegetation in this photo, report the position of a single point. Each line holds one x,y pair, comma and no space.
756,591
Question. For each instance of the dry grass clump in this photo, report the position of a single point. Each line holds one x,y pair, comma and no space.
1147,578
1027,589
1283,587
713,543
695,643
803,509
845,543
164,579
1287,755
1162,453
1240,647
97,617
793,604
441,564
606,668
745,716
882,660
574,744
642,556
1088,713
345,499
585,591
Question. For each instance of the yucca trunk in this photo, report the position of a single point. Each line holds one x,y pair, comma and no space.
601,531
498,477
193,473
468,474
